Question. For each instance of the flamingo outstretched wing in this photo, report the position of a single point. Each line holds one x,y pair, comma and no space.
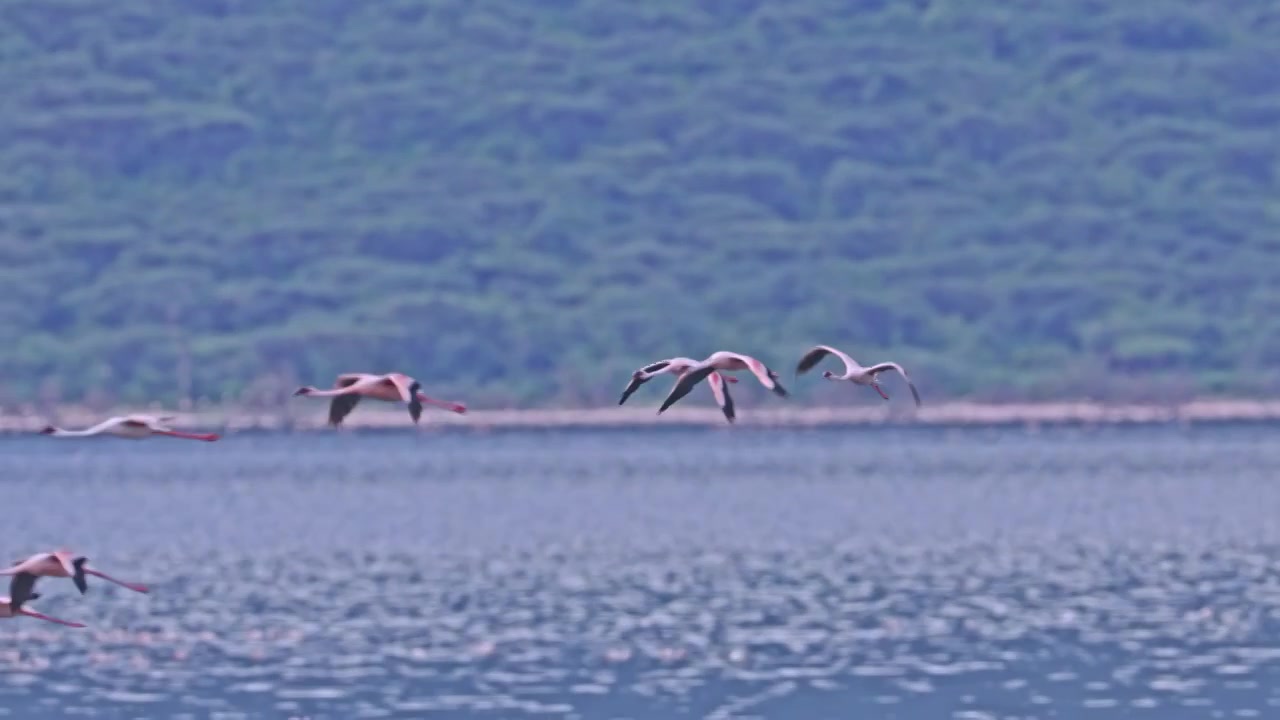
720,389
885,366
815,354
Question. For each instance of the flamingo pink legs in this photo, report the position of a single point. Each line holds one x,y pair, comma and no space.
877,387
46,618
207,437
453,406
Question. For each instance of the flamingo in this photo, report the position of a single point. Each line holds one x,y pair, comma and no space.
134,427
853,372
392,387
678,366
59,563
11,609
722,360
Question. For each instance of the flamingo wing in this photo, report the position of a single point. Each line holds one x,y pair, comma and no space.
349,379
883,367
341,406
720,389
631,387
143,418
64,559
105,425
415,401
403,385
766,376
687,381
815,354
655,367
20,589
642,376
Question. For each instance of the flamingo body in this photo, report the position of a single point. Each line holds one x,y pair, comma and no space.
349,388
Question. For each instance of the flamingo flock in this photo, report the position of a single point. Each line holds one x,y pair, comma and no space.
350,388
689,373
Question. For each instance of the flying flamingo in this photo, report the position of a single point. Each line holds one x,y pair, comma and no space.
678,366
134,427
392,387
11,609
59,563
853,372
722,361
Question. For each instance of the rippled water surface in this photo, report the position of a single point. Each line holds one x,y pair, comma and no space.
714,573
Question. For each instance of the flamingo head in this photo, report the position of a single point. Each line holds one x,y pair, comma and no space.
304,390
48,430
828,374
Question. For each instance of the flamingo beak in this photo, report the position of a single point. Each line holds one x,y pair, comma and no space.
302,391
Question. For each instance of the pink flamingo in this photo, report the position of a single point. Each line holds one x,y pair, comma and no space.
723,361
134,427
392,387
678,366
853,372
10,609
59,563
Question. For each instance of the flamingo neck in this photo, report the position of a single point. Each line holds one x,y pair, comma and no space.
59,432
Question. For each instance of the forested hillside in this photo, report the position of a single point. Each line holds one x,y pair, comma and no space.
520,202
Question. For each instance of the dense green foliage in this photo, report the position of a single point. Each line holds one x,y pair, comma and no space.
522,201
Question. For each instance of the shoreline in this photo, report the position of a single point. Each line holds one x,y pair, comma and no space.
947,414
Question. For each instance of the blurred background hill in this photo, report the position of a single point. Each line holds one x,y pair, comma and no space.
521,202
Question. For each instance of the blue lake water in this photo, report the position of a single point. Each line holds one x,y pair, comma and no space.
718,573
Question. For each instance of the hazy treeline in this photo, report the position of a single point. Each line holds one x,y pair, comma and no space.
522,202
